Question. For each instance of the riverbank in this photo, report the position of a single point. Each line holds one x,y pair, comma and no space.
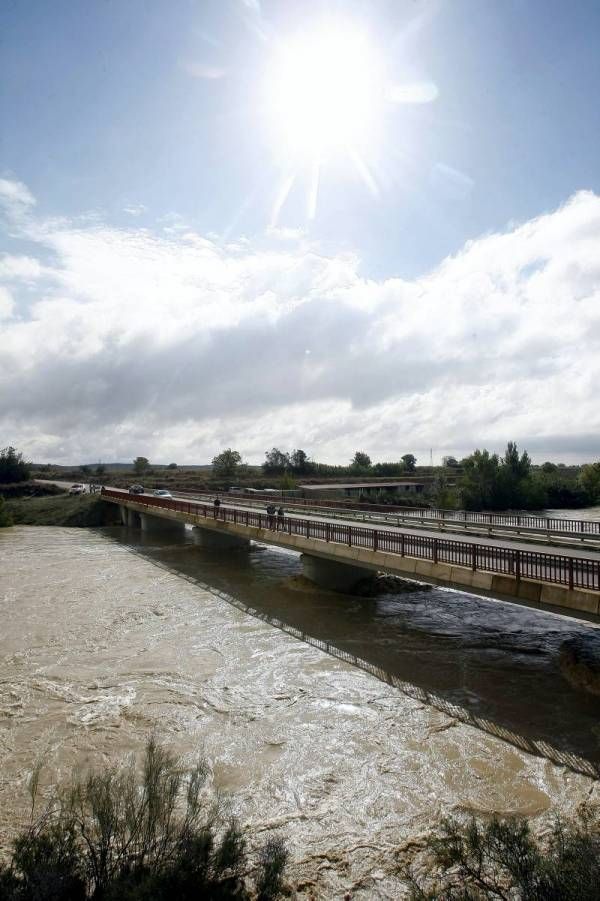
66,510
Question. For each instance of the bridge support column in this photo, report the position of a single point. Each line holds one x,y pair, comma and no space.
160,524
331,574
132,518
218,541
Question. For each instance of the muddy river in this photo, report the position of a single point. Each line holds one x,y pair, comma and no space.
349,724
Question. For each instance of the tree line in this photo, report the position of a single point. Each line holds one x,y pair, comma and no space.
298,463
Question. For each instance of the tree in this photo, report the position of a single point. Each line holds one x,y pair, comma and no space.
226,463
172,466
13,468
388,469
520,467
276,461
489,483
141,465
589,478
86,470
361,462
299,461
450,462
548,467
478,483
100,469
410,462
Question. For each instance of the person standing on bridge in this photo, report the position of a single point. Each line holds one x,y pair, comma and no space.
280,515
271,515
216,505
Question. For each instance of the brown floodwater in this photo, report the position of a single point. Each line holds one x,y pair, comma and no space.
351,725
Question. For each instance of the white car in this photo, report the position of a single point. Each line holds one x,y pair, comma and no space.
77,489
162,492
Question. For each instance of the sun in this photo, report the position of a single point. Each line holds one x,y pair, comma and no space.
323,92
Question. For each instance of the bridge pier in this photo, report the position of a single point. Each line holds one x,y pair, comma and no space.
151,523
218,541
130,518
331,574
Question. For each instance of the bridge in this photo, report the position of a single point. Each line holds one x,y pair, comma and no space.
337,555
534,527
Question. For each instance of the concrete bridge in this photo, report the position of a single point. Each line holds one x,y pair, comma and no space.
337,555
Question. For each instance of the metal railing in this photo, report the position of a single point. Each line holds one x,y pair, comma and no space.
574,572
522,520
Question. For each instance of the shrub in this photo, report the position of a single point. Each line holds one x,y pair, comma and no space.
123,835
5,519
502,859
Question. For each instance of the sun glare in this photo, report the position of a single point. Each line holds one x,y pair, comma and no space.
323,91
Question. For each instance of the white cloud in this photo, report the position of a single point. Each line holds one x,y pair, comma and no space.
6,303
175,346
135,209
20,268
15,195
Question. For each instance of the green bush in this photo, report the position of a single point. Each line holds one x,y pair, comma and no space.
5,517
13,467
502,859
124,835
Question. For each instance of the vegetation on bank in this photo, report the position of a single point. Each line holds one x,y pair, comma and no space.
139,834
502,859
5,515
28,489
13,467
83,510
480,481
154,833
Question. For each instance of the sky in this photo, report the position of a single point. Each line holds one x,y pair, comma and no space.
327,225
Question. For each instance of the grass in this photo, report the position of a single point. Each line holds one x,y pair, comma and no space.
61,510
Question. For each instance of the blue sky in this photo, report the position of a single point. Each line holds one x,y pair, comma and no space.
147,122
102,113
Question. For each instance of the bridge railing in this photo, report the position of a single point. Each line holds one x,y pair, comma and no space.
577,527
574,572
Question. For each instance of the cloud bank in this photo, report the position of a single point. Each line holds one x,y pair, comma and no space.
125,341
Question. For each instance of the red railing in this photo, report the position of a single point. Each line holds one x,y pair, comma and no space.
574,572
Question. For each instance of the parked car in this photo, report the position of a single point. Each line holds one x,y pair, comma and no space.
77,489
162,492
136,489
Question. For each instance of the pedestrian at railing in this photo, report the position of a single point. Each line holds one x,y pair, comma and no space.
271,516
280,515
216,505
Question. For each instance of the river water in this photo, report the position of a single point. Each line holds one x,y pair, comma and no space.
349,724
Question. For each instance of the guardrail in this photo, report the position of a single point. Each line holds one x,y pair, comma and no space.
456,517
574,572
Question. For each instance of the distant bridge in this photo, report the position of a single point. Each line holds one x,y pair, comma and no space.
337,555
